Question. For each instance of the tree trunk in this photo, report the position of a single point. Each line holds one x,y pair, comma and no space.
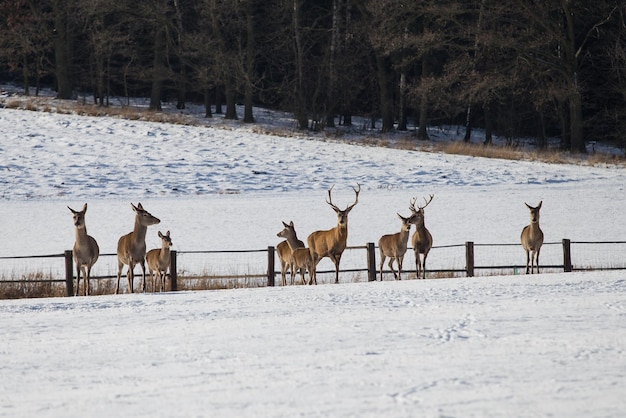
62,50
157,69
248,116
577,135
207,104
300,111
488,124
386,104
231,98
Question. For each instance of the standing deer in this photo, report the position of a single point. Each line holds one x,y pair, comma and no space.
158,260
421,241
131,248
284,250
299,257
332,243
86,250
394,246
532,238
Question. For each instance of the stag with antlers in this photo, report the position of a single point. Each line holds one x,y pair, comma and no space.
421,241
332,243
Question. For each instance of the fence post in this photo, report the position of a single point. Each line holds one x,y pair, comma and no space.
371,262
173,274
567,256
469,258
270,266
69,273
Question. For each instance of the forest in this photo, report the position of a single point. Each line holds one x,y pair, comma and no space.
513,68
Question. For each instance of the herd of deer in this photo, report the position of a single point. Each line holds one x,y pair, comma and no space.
294,256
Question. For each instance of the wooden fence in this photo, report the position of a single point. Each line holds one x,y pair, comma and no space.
367,264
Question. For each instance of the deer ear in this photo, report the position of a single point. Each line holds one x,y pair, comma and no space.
160,234
85,207
291,224
539,205
139,206
167,234
72,210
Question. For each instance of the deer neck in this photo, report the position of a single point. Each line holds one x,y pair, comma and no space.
165,254
139,233
404,236
81,234
341,233
292,240
534,226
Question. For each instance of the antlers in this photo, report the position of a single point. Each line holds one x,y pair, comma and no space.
412,207
347,209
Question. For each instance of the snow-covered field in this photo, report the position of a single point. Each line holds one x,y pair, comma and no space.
542,345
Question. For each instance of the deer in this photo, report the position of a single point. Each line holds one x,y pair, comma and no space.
532,239
285,249
158,260
421,241
394,246
131,248
86,250
332,243
298,257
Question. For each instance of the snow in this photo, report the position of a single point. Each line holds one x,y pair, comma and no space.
541,345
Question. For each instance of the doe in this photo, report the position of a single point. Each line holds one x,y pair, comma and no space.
394,246
131,248
532,239
158,260
86,250
285,248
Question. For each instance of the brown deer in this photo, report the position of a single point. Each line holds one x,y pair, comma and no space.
131,248
284,250
532,239
421,241
86,250
158,260
332,243
394,246
299,257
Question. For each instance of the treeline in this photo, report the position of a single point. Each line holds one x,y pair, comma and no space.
512,67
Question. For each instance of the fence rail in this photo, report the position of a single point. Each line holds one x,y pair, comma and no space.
466,259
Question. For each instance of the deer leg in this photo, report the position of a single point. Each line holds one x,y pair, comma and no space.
537,259
390,264
120,266
424,265
417,263
86,279
130,276
302,271
336,258
400,259
283,274
77,279
142,263
527,261
382,263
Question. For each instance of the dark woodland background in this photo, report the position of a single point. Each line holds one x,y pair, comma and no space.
544,68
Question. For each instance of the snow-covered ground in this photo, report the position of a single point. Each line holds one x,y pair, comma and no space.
549,344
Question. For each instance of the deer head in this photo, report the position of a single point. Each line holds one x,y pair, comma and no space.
342,215
418,212
534,212
79,216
